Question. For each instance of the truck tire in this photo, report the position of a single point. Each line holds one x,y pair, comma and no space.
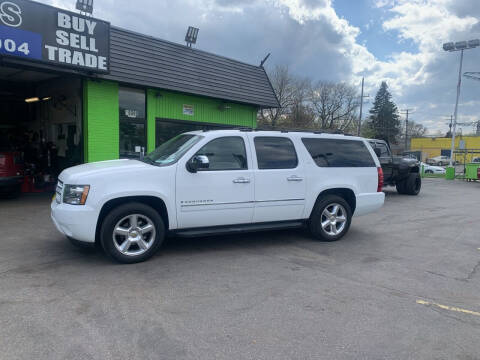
400,185
132,233
413,184
330,218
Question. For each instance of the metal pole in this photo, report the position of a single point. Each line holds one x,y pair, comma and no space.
361,107
406,132
452,149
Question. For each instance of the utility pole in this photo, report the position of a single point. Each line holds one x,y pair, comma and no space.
406,112
359,127
450,123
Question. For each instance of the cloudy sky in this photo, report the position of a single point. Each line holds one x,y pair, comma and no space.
399,41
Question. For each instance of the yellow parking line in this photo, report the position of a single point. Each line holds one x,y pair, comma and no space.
446,307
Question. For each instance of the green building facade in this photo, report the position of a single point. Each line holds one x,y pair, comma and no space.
101,114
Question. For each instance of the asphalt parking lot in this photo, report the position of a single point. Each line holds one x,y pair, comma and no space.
403,284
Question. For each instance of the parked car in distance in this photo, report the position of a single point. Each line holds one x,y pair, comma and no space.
439,160
476,160
11,173
432,169
399,171
215,182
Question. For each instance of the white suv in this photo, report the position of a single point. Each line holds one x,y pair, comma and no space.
219,181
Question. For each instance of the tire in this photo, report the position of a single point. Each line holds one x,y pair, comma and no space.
440,163
413,184
320,213
132,233
400,185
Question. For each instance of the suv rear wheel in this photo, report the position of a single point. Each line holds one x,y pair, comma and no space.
331,218
132,232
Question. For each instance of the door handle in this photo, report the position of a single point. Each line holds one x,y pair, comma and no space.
241,180
294,178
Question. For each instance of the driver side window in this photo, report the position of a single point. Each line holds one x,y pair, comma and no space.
225,153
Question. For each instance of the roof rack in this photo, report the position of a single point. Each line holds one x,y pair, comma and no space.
287,130
320,131
244,128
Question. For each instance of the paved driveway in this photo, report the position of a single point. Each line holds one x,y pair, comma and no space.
403,284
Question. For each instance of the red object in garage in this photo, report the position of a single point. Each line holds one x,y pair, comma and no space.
478,173
11,171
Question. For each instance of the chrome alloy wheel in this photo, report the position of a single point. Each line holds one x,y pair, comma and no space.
134,234
333,219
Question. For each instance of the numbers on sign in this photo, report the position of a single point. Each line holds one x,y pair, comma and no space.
24,48
10,46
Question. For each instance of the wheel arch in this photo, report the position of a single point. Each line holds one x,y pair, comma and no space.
346,193
153,201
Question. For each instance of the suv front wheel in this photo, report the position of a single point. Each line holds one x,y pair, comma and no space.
132,232
331,218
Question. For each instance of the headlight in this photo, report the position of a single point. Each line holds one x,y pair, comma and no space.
75,194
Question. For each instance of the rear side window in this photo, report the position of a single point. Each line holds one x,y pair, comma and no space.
275,153
339,153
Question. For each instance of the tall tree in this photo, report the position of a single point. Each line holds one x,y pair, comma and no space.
384,120
335,105
284,85
414,130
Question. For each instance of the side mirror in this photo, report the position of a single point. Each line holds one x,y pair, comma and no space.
377,151
198,162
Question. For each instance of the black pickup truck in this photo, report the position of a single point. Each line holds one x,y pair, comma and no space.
404,173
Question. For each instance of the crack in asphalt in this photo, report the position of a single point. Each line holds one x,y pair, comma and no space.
473,272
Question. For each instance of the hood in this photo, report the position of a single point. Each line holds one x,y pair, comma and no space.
102,168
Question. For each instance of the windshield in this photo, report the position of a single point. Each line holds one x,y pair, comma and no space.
172,150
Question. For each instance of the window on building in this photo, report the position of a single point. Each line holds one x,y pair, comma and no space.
275,153
338,153
225,153
132,121
167,129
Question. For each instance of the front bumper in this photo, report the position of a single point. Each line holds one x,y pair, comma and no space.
369,202
75,221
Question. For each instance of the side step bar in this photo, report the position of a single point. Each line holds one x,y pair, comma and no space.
235,229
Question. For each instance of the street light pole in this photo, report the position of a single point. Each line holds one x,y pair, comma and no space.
452,148
458,46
